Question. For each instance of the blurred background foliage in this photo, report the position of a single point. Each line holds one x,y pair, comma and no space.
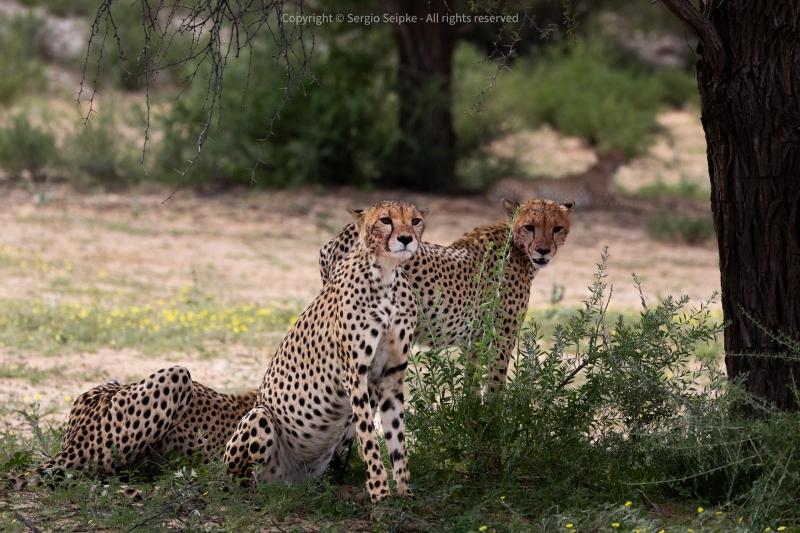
342,125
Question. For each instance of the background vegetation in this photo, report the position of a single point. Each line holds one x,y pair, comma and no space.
342,126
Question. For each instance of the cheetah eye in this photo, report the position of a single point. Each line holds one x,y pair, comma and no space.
530,227
415,221
557,229
387,221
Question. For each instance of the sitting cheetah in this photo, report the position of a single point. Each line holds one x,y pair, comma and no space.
541,227
115,425
592,188
345,356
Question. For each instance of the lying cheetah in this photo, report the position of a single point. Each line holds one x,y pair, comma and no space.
345,356
540,229
592,188
114,425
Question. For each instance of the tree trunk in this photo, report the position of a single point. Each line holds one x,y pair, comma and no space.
427,159
749,82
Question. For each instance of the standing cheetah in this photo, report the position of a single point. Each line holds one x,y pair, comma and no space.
114,425
540,229
345,356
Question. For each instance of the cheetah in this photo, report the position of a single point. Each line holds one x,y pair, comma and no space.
115,425
540,229
592,188
345,357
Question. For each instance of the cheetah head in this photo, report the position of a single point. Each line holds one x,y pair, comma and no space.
540,227
391,231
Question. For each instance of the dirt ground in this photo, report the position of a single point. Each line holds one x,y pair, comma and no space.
262,247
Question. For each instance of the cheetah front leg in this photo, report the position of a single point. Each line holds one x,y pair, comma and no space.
392,419
378,480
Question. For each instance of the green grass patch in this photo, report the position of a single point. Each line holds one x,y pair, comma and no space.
666,226
163,326
683,189
33,374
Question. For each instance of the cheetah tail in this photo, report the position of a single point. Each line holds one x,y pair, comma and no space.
46,473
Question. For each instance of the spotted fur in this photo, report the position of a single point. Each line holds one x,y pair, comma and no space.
345,357
592,188
114,425
540,229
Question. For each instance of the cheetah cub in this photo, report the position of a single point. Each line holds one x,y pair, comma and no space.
345,356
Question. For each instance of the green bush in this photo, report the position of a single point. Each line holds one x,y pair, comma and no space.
339,129
571,420
97,153
665,226
26,148
21,47
583,91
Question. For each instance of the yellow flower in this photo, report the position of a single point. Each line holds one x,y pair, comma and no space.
205,493
68,399
568,526
767,529
502,497
700,509
690,530
718,513
669,375
628,504
615,524
90,521
781,528
482,528
36,397
30,412
661,531
26,399
740,519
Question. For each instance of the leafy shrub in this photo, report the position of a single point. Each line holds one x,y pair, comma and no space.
570,419
97,153
20,47
666,226
339,129
26,148
580,91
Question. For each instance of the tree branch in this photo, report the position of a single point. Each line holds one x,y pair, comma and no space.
713,49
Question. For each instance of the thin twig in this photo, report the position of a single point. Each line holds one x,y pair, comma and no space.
654,505
27,524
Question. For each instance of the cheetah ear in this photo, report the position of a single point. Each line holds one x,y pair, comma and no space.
423,211
357,214
567,206
509,206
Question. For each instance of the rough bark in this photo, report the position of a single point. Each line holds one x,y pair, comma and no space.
749,82
425,67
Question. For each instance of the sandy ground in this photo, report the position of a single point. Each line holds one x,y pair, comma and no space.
262,247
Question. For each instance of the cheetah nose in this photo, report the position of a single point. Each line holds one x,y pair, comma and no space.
543,251
405,239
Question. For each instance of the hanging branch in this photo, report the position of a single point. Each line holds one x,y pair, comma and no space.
207,25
